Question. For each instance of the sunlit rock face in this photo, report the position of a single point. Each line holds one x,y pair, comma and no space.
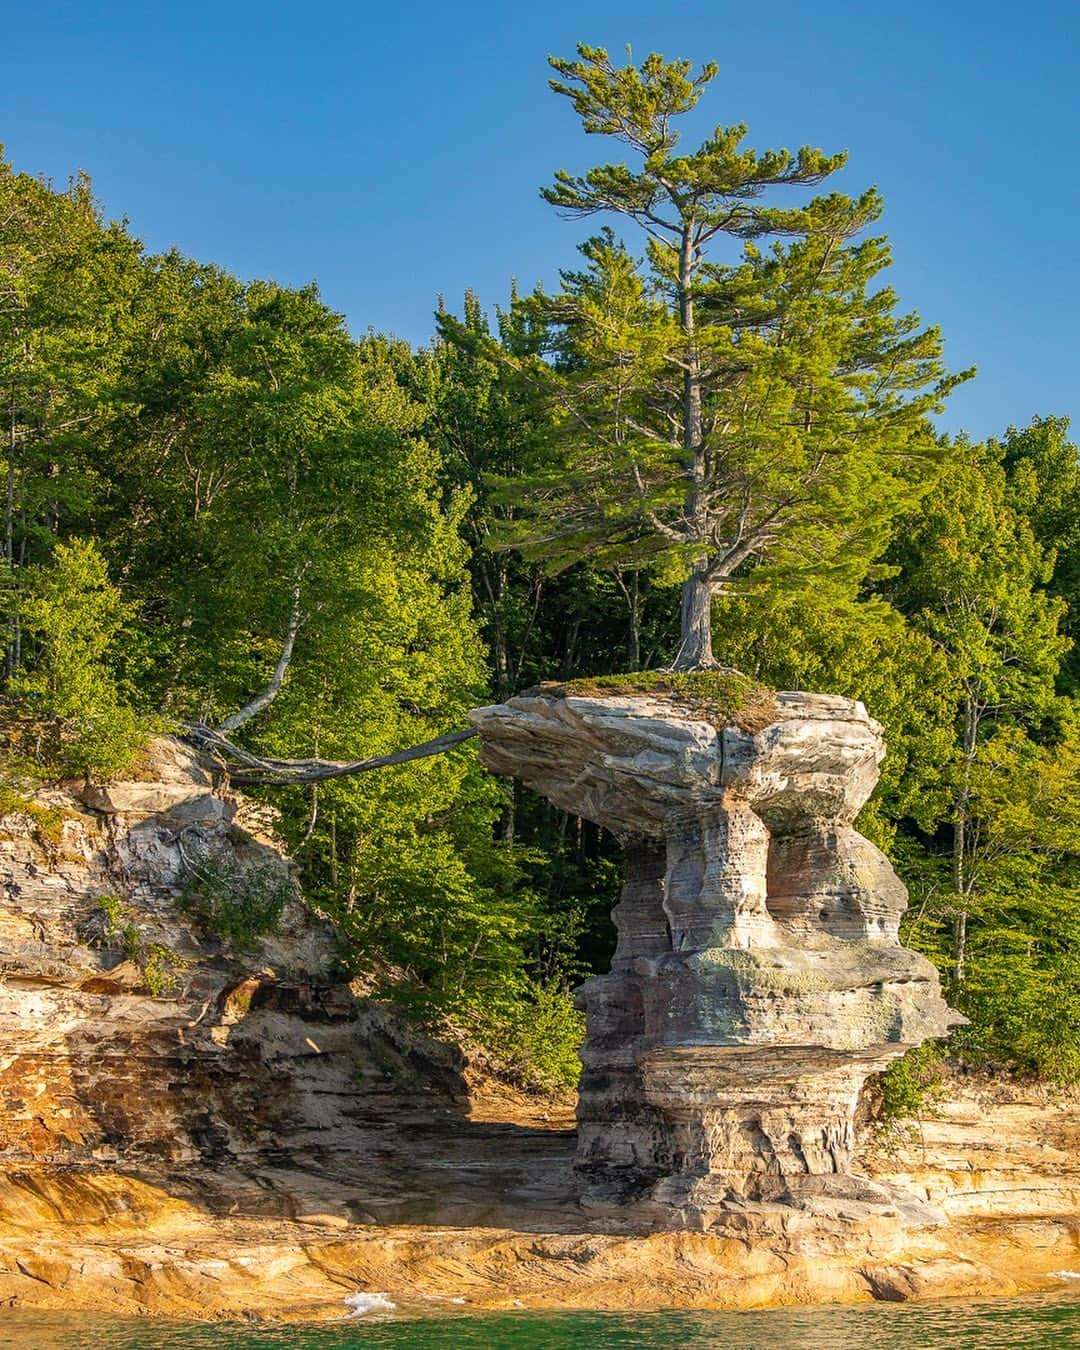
758,978
129,1033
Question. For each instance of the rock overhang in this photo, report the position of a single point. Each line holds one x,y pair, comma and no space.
632,761
759,977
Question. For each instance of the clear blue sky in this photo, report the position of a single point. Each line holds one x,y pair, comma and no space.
394,151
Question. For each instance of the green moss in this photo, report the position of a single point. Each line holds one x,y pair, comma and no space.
722,697
46,822
751,973
881,1019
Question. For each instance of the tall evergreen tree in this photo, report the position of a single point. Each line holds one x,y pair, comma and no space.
975,581
1044,475
719,415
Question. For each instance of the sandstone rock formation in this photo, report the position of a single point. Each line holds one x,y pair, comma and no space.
758,978
195,1130
129,1032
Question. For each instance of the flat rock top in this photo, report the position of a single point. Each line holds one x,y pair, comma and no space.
721,697
631,751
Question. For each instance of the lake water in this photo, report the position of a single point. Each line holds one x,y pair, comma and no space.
1051,1320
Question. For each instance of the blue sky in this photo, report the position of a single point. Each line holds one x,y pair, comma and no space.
393,152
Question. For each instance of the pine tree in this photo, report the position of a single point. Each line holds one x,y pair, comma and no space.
716,416
1044,473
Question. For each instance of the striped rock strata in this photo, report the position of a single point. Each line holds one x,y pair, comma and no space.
759,977
131,1035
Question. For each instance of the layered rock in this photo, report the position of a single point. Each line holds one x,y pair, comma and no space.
758,978
196,1130
129,1032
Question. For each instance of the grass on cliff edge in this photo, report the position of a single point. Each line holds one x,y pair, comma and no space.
722,697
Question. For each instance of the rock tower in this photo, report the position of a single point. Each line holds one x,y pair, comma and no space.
759,977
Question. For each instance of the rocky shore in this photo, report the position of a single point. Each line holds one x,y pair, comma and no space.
449,1210
193,1130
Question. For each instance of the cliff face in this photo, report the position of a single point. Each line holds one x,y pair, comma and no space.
191,1130
129,1032
758,978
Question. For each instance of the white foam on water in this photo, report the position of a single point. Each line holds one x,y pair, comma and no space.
1065,1274
362,1303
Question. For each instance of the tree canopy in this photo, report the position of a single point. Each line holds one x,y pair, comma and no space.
713,441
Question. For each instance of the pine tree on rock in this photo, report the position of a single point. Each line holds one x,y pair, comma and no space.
713,417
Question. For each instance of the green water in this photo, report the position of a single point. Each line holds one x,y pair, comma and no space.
1051,1320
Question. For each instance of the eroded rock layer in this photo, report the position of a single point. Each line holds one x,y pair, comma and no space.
758,978
129,1032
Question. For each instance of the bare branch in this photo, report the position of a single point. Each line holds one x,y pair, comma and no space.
253,770
267,696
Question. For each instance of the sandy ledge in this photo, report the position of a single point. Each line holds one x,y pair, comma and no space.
495,1227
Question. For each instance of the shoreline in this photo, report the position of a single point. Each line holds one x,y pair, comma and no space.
156,1256
430,1207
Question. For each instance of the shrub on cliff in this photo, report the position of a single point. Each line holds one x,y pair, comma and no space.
236,903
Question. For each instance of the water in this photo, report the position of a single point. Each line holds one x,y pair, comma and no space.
1051,1320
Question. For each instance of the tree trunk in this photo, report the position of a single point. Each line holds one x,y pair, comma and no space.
695,639
961,878
247,767
634,604
508,820
263,700
695,647
499,648
9,505
634,644
12,657
570,651
959,945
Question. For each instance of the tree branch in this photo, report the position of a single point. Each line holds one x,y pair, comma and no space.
267,696
254,770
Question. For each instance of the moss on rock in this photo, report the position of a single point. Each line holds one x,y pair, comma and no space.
722,697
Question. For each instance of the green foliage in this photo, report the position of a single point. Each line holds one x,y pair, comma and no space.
909,1087
118,927
975,578
46,822
298,515
708,416
829,638
237,902
959,656
1024,1004
1044,477
159,970
253,474
76,617
69,283
476,418
539,1039
157,963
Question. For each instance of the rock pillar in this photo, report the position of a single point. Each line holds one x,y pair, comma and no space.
758,978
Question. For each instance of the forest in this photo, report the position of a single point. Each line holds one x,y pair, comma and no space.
712,445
